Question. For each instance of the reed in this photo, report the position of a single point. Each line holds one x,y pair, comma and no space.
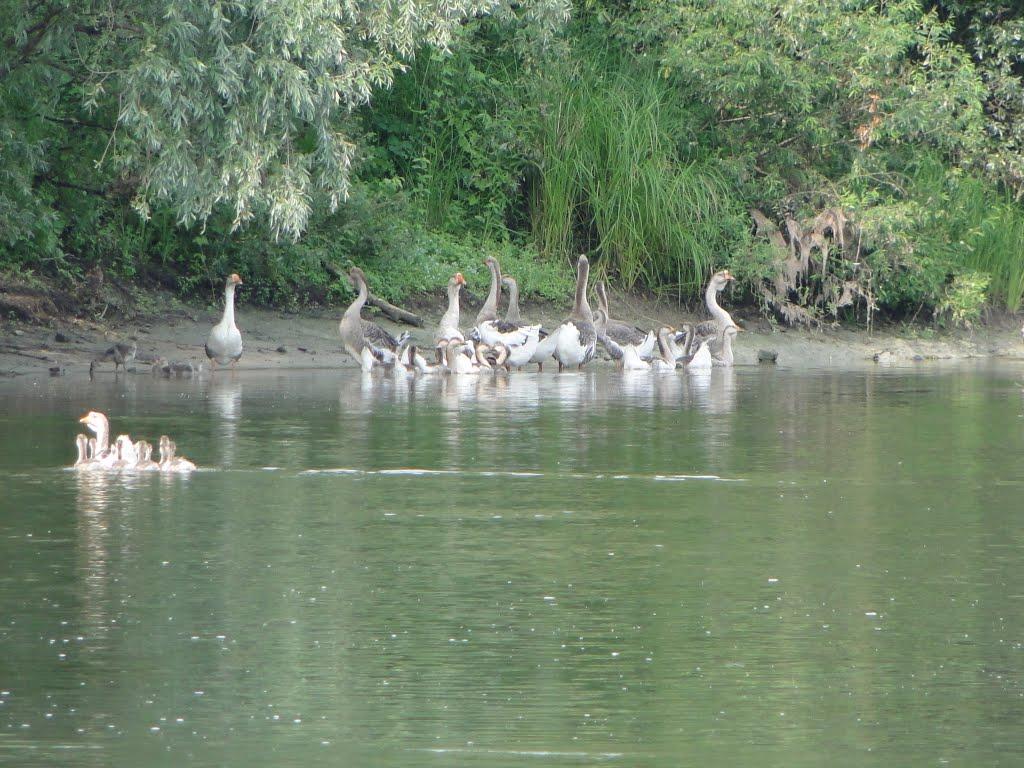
613,182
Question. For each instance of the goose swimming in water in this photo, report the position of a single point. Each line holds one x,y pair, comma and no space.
224,344
145,462
168,461
576,337
83,462
366,341
98,424
127,455
722,355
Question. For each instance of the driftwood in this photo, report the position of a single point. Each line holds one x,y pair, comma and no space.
796,297
397,314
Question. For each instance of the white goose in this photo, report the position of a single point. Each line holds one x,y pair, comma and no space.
168,461
466,358
98,424
576,337
519,339
224,344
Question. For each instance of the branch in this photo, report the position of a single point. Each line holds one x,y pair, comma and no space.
397,314
35,33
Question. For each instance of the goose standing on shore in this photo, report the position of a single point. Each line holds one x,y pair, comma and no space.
224,344
618,334
576,339
518,339
448,329
366,341
489,311
120,355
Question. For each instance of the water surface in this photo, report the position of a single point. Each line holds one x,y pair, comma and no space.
751,568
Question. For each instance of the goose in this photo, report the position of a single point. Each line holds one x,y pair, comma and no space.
448,329
146,463
700,360
519,340
99,425
709,329
576,339
679,341
665,360
224,344
83,462
631,360
127,455
618,334
168,461
466,358
489,311
722,356
366,341
120,355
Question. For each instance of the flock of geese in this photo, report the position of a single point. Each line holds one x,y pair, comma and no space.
511,342
96,453
492,344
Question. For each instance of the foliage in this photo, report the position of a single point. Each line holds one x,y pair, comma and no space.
639,133
612,179
963,299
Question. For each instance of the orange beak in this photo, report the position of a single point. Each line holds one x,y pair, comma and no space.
84,419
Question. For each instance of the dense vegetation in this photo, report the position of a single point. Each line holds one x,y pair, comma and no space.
881,144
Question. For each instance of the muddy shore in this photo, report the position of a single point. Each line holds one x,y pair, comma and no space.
283,340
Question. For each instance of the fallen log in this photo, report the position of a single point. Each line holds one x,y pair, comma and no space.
397,314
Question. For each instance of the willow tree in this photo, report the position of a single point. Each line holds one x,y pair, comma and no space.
201,105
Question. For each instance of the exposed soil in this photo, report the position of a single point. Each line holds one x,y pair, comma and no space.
39,332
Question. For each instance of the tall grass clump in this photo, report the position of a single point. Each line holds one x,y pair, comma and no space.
618,175
978,227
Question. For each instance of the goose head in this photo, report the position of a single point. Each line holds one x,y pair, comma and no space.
356,277
233,279
721,279
96,422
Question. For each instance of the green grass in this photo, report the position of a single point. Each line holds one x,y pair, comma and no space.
613,182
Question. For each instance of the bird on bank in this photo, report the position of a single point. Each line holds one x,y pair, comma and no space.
224,344
120,355
364,340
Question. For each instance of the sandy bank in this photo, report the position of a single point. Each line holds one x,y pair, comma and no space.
281,340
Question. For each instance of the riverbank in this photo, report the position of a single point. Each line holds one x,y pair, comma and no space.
167,328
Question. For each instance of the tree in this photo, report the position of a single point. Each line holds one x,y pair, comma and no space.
237,104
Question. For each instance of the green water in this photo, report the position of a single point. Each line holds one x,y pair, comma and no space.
757,568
